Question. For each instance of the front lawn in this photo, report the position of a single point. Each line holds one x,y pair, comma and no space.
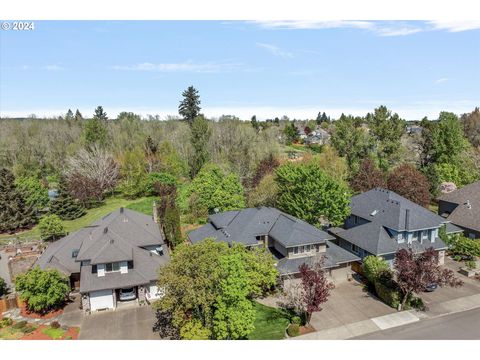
143,204
270,323
53,333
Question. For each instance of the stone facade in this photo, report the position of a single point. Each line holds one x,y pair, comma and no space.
86,303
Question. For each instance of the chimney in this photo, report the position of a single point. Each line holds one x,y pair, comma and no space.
155,214
407,219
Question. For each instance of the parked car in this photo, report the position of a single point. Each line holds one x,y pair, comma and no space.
431,287
127,294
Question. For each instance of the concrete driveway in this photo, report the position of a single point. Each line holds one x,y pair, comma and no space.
440,295
124,324
348,304
4,272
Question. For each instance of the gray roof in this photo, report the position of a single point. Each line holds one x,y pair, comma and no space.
375,239
393,211
145,270
467,212
243,226
118,236
334,256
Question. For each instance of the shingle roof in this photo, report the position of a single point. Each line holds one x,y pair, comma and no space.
334,256
467,213
393,211
244,225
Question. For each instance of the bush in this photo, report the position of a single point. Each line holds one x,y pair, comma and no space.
51,227
6,322
20,325
373,266
28,329
296,320
471,264
3,287
158,177
416,303
55,325
387,289
293,330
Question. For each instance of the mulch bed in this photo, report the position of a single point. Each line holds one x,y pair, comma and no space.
39,335
306,329
25,313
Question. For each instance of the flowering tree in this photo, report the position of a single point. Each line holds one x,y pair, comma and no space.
414,272
316,287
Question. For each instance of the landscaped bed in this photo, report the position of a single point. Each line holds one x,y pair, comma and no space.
24,331
270,323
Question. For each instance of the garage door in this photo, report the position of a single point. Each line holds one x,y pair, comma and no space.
102,299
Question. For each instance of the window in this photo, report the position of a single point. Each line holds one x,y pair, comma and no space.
355,219
301,249
307,248
74,253
295,250
130,265
112,267
355,248
94,269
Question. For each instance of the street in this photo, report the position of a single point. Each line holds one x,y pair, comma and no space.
459,326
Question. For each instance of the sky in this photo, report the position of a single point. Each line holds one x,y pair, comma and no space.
242,68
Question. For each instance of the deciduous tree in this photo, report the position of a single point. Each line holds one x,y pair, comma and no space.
306,192
368,177
471,126
410,183
415,271
51,227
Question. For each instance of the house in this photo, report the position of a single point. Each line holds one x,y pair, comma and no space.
462,208
114,259
318,136
382,222
292,241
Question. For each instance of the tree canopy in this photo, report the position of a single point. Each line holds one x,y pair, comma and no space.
189,107
305,191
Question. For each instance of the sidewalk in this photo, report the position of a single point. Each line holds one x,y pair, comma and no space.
393,320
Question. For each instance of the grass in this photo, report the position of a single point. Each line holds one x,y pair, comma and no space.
14,333
270,323
53,333
141,204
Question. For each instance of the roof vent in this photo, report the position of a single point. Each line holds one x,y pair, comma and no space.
468,205
105,230
374,212
112,241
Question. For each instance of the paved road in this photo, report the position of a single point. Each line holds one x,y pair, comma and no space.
459,326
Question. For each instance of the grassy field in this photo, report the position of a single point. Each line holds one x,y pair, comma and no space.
270,323
142,204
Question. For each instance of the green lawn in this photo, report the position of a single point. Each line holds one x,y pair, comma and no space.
142,204
270,323
53,333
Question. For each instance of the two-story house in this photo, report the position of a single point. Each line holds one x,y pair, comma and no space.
291,241
114,259
382,222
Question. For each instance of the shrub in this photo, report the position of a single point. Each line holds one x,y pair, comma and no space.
51,227
417,303
28,329
387,289
3,287
293,330
158,177
6,322
373,266
471,264
20,325
296,320
55,325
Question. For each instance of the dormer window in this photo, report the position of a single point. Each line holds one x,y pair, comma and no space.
74,253
112,267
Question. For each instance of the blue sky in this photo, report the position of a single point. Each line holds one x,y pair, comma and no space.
273,68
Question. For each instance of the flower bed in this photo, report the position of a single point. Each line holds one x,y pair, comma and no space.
25,313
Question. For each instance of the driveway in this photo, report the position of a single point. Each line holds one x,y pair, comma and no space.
470,287
347,304
133,323
4,272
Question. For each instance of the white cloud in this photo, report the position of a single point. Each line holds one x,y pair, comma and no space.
441,80
455,25
381,28
52,67
188,66
275,50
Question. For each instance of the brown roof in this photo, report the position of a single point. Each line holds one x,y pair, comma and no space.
467,213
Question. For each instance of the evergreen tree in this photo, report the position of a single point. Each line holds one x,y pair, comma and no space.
69,115
64,205
200,136
78,115
100,114
255,122
189,107
14,213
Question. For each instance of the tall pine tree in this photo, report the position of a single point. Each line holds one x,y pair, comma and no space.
15,215
189,107
64,205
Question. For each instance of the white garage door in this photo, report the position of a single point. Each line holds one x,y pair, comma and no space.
102,299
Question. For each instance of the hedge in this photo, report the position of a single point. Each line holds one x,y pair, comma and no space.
388,295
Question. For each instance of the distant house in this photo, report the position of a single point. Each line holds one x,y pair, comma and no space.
292,241
462,208
382,222
414,129
114,259
318,136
